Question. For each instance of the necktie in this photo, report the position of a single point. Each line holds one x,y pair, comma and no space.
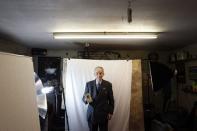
98,87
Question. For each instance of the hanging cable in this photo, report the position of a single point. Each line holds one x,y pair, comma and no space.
129,12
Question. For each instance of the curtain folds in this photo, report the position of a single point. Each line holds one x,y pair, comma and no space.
76,72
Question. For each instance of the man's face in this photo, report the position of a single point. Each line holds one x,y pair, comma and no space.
99,73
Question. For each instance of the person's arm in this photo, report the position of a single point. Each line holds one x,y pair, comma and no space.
111,102
84,95
87,98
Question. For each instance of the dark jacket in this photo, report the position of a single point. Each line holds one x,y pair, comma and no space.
103,101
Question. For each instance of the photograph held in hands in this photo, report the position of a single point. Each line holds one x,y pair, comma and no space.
88,98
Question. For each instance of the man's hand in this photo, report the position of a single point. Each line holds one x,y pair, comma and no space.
88,98
109,116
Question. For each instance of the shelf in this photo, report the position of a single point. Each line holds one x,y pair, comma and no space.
185,60
189,91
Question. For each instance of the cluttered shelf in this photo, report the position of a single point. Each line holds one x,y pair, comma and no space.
181,57
184,60
190,90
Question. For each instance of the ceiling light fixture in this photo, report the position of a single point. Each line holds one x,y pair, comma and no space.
104,35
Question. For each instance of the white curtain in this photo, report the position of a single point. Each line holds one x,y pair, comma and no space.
77,72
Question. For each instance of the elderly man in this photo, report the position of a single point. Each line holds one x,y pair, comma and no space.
99,97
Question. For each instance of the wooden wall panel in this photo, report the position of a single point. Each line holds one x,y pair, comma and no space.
137,113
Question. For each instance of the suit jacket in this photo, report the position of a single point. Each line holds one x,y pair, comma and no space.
103,101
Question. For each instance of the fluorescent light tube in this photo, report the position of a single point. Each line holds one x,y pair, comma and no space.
103,35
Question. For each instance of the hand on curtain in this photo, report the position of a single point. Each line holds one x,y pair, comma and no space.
109,116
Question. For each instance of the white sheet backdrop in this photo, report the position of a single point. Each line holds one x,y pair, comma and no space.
75,75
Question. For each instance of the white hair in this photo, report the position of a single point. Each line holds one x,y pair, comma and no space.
98,67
